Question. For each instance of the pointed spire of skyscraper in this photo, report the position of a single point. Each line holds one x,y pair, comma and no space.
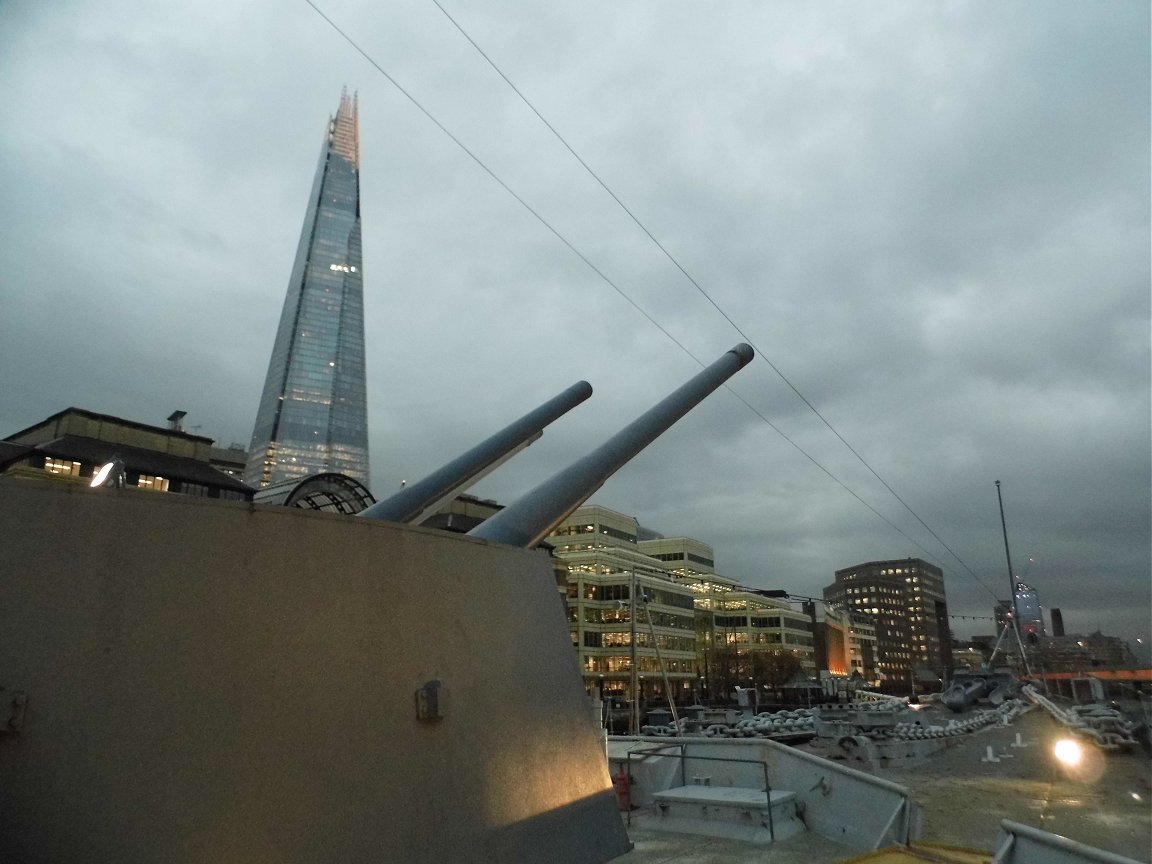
344,134
313,414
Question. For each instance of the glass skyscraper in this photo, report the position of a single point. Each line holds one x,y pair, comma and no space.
1031,619
313,414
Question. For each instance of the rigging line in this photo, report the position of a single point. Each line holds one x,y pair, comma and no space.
540,218
697,285
813,460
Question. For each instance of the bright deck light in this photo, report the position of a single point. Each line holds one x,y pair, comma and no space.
110,474
1068,751
102,474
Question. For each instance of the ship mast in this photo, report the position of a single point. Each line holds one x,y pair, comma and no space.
1008,556
1011,592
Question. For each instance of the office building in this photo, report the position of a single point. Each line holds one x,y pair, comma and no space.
1077,653
1027,608
850,641
746,637
1002,612
73,444
1030,618
606,571
313,415
905,600
706,632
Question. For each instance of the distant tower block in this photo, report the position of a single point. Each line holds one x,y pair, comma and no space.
1057,622
1030,619
313,414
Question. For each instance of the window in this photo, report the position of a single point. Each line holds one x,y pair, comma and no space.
156,484
63,467
618,534
609,592
731,621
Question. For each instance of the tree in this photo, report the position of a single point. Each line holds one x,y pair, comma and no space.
773,668
725,672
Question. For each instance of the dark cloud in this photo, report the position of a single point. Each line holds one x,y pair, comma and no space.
933,220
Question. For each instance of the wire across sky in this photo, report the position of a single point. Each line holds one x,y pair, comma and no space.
664,250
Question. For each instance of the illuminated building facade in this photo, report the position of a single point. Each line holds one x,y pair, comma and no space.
753,626
851,644
605,567
711,633
1031,616
730,615
1031,619
905,600
313,415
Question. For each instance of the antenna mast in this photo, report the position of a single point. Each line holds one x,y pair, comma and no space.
1007,554
1012,589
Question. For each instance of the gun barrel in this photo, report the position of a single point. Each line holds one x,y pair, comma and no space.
531,517
413,502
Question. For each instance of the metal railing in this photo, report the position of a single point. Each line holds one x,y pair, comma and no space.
1023,844
680,745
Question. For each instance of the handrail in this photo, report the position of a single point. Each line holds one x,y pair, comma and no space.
901,809
823,763
1014,830
655,751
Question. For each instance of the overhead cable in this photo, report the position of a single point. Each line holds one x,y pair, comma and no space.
604,277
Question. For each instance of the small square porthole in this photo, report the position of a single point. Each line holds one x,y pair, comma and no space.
430,702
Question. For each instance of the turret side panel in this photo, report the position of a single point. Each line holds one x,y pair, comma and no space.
208,681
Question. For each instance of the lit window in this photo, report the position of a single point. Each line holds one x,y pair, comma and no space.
63,467
156,484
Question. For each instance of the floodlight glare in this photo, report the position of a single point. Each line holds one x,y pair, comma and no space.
1068,752
110,474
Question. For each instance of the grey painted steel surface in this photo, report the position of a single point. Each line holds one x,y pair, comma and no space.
427,495
528,520
1023,844
219,681
840,803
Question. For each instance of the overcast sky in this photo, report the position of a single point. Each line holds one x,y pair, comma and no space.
932,218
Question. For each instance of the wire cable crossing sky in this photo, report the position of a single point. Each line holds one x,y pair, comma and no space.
671,258
934,217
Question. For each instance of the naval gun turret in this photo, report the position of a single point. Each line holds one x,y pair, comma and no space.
968,687
413,502
267,662
531,517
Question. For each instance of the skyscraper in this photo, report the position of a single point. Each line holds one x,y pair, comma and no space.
1031,619
313,414
906,601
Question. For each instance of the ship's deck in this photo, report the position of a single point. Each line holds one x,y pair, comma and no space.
963,800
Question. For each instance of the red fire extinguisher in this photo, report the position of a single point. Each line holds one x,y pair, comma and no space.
620,782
